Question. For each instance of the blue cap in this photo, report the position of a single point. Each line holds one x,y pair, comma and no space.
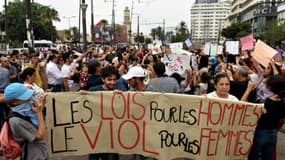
213,59
17,91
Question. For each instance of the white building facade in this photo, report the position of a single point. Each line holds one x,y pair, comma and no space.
281,13
257,13
208,19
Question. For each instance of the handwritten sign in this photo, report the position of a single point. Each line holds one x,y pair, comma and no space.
176,63
164,126
207,48
232,47
220,50
175,46
263,53
247,42
214,49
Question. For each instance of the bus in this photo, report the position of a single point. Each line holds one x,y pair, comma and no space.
44,44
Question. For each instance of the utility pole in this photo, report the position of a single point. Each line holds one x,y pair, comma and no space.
138,27
70,29
30,35
6,28
84,8
92,21
79,23
113,23
163,37
131,19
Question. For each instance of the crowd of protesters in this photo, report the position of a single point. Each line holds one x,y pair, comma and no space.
132,68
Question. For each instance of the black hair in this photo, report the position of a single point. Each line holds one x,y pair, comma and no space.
205,77
276,84
109,71
27,72
231,59
159,68
177,77
92,66
51,57
203,61
219,76
66,55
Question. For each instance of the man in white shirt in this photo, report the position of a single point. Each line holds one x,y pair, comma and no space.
68,70
54,74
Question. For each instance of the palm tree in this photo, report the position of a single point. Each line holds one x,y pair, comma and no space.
104,23
182,29
159,33
48,15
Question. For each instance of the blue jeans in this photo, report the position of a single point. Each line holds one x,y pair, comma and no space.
264,142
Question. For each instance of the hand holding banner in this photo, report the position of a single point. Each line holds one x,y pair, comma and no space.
160,125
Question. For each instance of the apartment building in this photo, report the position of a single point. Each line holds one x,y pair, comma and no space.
208,19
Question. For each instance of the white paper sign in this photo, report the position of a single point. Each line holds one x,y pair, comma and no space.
232,47
176,63
175,46
220,49
214,49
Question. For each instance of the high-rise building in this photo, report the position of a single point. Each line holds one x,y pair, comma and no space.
255,12
207,20
281,13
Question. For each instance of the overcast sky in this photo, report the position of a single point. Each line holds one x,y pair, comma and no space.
150,11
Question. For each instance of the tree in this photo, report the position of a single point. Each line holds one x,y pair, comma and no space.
140,38
182,29
153,33
157,33
147,40
75,33
42,22
236,30
182,33
104,23
274,34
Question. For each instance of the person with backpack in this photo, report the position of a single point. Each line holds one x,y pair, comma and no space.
28,127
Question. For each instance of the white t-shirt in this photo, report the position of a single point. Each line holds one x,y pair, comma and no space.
214,95
66,72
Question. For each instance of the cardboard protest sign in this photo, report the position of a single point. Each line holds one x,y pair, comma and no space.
247,42
176,63
232,47
263,53
160,125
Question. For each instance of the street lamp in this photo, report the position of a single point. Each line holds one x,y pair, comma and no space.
68,18
83,6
